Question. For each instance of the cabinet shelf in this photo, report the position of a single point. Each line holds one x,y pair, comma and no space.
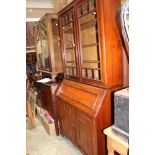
91,68
71,61
71,67
91,61
90,45
69,48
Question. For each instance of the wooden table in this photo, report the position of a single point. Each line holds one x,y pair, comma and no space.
116,142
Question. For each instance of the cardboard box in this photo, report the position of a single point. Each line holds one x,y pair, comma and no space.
49,127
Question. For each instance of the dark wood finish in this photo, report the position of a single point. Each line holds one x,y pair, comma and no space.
47,96
47,44
109,43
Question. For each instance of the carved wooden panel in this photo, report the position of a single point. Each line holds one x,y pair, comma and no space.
84,125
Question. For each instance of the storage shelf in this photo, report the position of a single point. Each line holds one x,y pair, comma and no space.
91,61
92,68
70,67
71,61
69,48
90,45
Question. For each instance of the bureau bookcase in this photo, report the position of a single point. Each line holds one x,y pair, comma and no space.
93,69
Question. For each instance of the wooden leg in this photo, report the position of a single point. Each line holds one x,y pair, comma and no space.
30,115
109,146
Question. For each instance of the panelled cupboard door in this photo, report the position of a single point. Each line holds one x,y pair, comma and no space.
66,122
84,136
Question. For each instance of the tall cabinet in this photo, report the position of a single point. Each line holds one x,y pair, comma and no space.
49,60
48,44
93,68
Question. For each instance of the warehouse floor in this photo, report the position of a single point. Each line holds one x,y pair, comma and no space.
40,143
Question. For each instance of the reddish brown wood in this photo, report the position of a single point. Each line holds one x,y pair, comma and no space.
85,106
83,112
110,47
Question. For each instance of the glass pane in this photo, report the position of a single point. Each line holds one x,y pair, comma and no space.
68,36
69,45
89,43
91,4
56,44
42,50
68,18
70,55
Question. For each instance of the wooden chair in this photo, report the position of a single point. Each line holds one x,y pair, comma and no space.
28,108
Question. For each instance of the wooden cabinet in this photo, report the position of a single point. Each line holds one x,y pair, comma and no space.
47,98
90,42
48,44
83,112
93,67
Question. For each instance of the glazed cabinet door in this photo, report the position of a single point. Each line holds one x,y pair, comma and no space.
89,40
42,46
84,133
69,44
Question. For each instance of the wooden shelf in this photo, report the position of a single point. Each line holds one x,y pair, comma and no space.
70,48
91,61
92,68
70,67
90,45
71,61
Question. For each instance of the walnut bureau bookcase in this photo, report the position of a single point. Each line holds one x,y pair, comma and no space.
93,68
49,61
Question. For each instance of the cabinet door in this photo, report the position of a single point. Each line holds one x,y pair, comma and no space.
70,48
84,127
66,119
57,64
42,47
89,42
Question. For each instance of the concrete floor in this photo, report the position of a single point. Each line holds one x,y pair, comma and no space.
40,143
